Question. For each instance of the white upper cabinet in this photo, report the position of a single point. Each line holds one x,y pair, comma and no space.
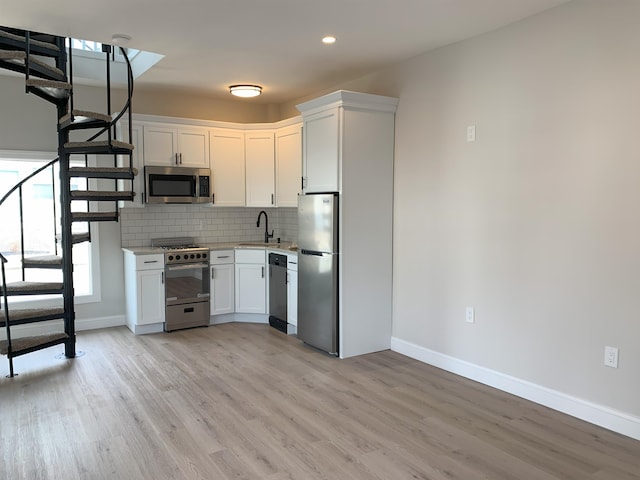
136,162
227,167
176,146
260,168
288,165
321,159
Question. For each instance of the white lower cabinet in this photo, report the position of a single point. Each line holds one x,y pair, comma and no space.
251,281
144,292
222,282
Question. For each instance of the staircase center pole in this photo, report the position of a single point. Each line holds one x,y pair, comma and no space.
67,241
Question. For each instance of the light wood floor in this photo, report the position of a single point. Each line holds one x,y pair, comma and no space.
243,401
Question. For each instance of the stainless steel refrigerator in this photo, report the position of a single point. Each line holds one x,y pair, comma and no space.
318,256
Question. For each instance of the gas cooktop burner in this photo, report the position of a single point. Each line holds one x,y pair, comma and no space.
179,247
181,250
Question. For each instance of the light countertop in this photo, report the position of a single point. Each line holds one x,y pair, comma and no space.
285,247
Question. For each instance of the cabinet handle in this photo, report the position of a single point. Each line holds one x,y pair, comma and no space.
272,199
222,256
301,183
262,272
213,198
151,261
176,158
213,273
181,159
163,278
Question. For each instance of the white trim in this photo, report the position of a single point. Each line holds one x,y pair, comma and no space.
82,324
601,415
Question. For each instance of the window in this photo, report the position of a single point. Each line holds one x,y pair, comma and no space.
41,222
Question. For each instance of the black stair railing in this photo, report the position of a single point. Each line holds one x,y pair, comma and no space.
110,129
18,187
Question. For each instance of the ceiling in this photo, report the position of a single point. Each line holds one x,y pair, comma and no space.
211,44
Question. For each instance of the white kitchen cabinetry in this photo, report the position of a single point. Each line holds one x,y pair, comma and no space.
227,167
176,146
250,281
288,165
136,162
292,291
260,168
144,292
222,282
321,157
348,148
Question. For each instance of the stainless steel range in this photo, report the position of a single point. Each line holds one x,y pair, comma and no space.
187,287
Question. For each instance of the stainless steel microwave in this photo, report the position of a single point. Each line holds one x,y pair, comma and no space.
177,185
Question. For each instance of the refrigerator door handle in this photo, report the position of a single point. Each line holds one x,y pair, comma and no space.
311,252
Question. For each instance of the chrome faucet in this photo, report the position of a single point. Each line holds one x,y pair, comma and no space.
267,235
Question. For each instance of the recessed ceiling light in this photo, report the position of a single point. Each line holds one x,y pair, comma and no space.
328,40
245,91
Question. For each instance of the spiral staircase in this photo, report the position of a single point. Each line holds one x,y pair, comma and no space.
47,65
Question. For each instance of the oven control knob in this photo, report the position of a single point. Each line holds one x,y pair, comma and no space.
177,257
170,257
192,255
204,255
198,255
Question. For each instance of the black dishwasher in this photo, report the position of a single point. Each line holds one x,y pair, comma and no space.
278,291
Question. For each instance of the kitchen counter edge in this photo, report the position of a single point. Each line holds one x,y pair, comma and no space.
284,247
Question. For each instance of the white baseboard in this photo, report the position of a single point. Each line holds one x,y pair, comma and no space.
606,417
82,324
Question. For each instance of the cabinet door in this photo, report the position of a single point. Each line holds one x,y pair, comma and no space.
160,145
227,167
288,165
251,292
260,174
136,162
193,147
292,297
150,296
321,155
222,289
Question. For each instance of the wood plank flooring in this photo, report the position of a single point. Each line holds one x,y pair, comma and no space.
244,401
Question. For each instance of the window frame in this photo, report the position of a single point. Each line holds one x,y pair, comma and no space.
94,246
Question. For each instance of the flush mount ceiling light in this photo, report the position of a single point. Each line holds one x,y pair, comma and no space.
120,39
245,91
328,40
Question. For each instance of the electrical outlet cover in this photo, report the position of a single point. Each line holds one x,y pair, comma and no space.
611,357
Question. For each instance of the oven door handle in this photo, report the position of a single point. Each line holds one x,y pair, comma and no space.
187,266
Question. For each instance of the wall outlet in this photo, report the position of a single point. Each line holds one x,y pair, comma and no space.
611,357
470,315
471,133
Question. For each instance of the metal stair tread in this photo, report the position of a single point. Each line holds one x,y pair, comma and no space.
45,260
23,315
33,288
103,172
38,43
51,84
51,90
84,115
100,145
93,216
91,194
30,344
12,55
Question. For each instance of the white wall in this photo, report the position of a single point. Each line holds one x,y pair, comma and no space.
535,224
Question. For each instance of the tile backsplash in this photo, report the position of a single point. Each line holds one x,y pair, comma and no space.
207,224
